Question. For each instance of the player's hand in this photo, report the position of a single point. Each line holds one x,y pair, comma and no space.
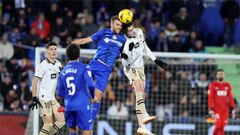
131,45
233,114
124,56
213,115
61,109
34,103
161,63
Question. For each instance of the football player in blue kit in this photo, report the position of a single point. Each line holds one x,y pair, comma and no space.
110,42
74,86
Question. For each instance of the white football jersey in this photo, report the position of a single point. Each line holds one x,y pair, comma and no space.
48,72
135,57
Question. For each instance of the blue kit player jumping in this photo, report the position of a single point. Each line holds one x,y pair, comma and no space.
74,85
109,44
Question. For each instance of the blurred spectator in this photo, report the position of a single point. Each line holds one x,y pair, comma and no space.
202,82
152,34
230,13
196,9
162,42
60,29
171,31
14,68
102,15
182,20
15,35
117,110
19,51
22,20
53,13
42,26
5,23
31,39
24,93
6,87
190,41
16,105
198,47
6,48
174,45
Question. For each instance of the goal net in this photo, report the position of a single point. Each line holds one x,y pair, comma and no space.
177,96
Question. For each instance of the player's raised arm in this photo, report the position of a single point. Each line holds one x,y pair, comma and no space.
82,41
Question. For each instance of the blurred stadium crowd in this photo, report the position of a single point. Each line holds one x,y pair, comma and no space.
169,26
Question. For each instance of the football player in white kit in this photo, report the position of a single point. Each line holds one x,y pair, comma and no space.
45,82
133,67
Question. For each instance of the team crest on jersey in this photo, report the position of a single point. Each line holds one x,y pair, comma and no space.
114,37
226,88
106,40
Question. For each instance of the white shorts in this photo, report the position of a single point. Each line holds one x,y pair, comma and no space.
48,107
135,74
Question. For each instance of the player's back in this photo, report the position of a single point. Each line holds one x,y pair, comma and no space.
75,91
109,45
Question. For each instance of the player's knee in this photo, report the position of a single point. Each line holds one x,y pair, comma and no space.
46,128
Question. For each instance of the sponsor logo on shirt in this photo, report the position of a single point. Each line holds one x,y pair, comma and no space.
221,93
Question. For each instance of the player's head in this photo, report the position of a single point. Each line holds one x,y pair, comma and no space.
220,75
51,50
129,30
73,52
116,25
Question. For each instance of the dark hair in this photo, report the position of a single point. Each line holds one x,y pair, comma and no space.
125,27
50,43
114,18
73,51
219,70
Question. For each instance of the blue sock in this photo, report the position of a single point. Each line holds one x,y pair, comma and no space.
72,134
96,108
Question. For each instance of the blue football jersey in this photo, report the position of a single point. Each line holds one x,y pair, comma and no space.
109,45
74,83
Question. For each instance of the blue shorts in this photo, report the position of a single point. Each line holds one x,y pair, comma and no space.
75,118
100,74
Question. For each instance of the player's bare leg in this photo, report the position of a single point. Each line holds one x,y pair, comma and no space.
142,115
96,102
47,125
72,131
87,132
59,118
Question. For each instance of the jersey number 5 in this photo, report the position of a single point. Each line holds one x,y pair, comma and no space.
70,85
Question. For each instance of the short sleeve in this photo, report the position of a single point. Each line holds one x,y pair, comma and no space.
40,71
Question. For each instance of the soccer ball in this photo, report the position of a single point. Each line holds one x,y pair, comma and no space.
125,16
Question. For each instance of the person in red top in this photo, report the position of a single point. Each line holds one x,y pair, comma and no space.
42,26
219,99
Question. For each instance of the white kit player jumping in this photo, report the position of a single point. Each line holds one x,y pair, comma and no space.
133,64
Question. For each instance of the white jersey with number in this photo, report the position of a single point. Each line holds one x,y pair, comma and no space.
135,57
48,72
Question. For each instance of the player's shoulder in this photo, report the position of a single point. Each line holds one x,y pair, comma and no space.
213,83
44,63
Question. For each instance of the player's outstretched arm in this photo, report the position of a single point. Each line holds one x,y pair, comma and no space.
82,41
